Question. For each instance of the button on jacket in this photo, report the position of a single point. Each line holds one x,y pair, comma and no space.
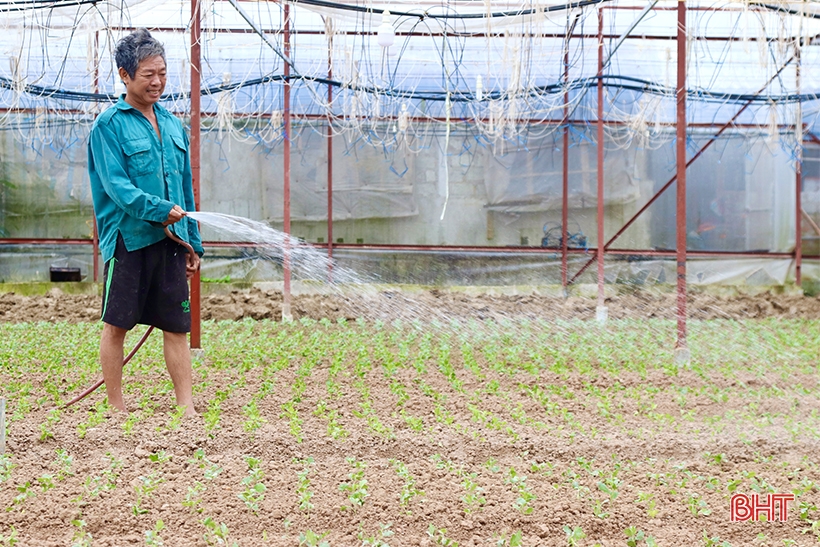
136,178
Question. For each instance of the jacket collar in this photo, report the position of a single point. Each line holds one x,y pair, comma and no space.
159,110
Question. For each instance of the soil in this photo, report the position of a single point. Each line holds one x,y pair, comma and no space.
267,304
670,465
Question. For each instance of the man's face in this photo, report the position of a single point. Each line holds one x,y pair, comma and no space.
148,83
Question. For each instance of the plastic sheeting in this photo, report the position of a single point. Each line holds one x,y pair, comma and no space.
531,178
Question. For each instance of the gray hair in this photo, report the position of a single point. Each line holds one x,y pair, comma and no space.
135,47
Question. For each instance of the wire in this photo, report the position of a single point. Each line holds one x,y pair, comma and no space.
452,14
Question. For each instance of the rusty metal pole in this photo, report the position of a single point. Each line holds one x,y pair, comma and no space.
601,311
710,142
95,236
681,349
565,176
286,297
196,113
798,175
330,157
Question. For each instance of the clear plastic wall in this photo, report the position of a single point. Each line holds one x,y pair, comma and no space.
451,137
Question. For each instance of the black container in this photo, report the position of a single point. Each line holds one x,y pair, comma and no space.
59,275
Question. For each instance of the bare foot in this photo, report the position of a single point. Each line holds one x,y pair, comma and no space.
118,409
190,412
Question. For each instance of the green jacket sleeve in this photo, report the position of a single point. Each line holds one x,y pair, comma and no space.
109,162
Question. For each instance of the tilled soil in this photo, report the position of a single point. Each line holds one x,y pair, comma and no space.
582,469
267,304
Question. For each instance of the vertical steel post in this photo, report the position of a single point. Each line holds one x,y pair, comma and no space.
196,113
330,156
680,346
286,313
601,311
798,173
95,236
565,169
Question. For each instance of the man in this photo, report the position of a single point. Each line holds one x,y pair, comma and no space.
140,172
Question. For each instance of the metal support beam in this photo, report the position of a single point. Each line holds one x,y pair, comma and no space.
286,312
195,152
798,173
699,153
601,312
330,158
95,236
565,168
681,350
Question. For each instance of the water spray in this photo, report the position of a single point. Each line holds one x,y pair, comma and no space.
141,341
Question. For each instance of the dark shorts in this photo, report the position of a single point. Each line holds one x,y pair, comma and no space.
147,286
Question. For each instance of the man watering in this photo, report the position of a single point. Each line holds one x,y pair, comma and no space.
139,166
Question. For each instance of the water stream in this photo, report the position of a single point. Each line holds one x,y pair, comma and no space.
362,295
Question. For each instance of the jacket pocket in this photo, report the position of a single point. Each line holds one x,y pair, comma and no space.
180,150
138,156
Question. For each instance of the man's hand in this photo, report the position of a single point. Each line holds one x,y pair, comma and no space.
175,215
191,264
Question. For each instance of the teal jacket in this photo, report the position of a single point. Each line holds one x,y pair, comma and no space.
136,178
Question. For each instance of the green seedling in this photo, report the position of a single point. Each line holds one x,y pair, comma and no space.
193,498
46,427
514,540
216,533
152,537
11,539
525,496
145,489
64,463
46,482
211,470
334,428
806,508
309,538
294,421
6,465
159,457
175,419
698,506
439,536
254,492
82,537
714,541
492,465
610,487
414,423
408,489
651,504
105,482
95,418
213,414
473,499
356,488
303,488
715,459
598,508
253,419
636,537
574,535
131,421
377,541
25,492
